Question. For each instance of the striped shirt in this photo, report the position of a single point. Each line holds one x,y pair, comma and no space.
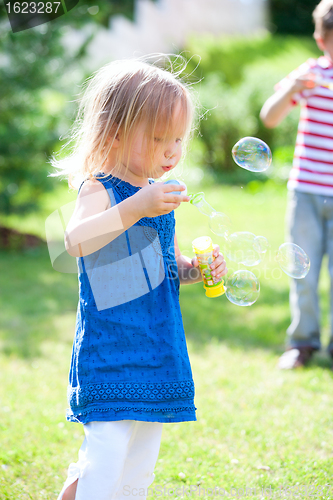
312,170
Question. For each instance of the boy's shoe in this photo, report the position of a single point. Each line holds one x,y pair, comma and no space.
295,358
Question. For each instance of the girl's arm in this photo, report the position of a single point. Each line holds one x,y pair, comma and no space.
277,107
188,270
95,223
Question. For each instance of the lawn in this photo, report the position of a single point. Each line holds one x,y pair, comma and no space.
259,430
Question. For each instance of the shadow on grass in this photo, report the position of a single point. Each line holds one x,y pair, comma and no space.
35,300
35,297
262,325
32,296
321,359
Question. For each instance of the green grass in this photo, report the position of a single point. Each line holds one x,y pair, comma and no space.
257,427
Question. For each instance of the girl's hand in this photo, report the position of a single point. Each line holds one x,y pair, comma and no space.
156,199
219,266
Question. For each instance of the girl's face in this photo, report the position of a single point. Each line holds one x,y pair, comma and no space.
143,160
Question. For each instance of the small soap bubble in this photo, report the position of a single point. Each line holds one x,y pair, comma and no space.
252,154
242,247
293,260
220,224
242,288
261,244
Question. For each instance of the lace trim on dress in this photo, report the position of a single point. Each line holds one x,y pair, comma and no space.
79,397
170,409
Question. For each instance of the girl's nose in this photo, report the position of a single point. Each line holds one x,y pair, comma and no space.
170,152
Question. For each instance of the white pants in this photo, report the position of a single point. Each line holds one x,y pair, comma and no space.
116,460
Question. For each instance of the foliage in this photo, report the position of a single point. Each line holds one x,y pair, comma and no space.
229,56
87,10
292,16
236,77
30,102
37,77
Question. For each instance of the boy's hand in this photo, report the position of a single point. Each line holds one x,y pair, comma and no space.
303,82
218,267
281,102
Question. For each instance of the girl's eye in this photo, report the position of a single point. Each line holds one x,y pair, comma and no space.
158,139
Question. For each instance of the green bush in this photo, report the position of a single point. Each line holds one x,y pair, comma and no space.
236,77
39,77
292,16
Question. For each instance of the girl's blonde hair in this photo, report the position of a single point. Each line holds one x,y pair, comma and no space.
116,99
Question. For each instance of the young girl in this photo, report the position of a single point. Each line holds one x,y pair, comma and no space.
130,370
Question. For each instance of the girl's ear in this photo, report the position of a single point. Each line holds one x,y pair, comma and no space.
116,140
320,42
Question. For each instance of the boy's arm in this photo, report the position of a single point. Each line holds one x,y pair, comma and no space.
188,270
277,107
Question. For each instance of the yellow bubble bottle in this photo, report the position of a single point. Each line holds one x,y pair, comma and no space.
203,249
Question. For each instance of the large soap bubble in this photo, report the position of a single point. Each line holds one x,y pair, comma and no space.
242,288
293,260
261,244
252,154
220,224
243,248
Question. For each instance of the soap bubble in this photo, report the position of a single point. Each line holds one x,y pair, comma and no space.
261,244
242,247
252,154
220,224
293,260
242,288
198,200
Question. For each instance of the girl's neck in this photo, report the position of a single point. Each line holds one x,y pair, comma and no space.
121,172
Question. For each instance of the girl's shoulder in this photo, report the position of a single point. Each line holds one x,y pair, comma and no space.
93,193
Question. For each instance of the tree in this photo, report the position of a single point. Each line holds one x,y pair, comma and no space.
292,16
36,81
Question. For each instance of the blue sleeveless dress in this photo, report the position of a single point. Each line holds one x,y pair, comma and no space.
129,358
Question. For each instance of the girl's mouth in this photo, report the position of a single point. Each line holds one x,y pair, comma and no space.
166,169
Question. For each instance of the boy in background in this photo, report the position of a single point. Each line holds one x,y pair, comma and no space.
310,185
